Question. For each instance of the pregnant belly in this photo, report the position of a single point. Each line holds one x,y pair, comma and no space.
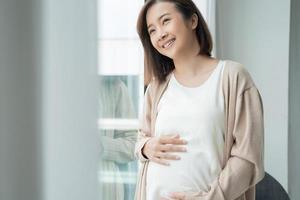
193,173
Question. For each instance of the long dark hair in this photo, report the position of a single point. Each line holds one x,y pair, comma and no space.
157,64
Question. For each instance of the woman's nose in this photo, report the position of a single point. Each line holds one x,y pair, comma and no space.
162,35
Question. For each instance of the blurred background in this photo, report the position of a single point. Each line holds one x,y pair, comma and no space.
72,82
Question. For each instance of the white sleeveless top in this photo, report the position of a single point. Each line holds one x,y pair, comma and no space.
197,114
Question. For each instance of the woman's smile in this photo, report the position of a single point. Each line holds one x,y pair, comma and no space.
168,44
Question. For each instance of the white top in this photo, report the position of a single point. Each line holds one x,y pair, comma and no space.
197,114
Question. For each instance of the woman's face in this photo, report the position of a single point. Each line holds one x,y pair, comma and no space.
169,33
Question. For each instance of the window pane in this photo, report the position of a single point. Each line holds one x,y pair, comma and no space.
117,110
120,96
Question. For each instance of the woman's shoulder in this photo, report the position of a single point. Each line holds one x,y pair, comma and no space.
237,74
152,84
155,84
152,88
235,68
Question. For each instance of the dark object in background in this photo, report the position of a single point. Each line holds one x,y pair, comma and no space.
270,189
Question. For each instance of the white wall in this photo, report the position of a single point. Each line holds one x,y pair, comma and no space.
48,100
256,34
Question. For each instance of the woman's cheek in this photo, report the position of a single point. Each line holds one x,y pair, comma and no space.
154,45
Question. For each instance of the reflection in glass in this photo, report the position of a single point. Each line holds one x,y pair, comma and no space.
117,168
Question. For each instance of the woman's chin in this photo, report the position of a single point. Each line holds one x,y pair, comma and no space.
170,54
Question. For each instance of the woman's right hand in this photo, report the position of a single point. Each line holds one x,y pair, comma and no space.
158,149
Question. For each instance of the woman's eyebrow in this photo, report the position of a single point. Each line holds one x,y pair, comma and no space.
159,19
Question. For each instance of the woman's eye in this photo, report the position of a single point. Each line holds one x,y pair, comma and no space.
166,20
151,31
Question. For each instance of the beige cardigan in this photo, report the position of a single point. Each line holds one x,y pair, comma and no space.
243,163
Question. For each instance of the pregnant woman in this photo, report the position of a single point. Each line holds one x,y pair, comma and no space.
202,134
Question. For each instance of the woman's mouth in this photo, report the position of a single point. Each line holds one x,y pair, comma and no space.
168,44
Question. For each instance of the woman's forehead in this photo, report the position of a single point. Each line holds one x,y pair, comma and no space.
158,10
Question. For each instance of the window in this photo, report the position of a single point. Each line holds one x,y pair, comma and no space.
121,86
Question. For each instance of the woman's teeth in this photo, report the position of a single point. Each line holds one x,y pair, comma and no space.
169,44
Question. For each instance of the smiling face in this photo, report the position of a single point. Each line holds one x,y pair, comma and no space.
169,32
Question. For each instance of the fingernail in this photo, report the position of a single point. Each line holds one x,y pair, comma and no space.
184,142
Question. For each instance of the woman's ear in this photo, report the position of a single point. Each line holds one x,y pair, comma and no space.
194,21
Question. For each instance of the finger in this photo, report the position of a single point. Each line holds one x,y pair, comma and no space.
160,161
169,136
172,140
172,148
176,135
168,156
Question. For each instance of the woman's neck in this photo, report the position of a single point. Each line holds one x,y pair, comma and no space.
192,65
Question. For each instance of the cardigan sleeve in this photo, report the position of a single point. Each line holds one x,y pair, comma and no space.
245,166
144,131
